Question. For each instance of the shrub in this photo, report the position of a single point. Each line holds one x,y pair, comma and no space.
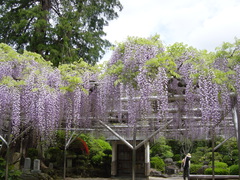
179,163
157,163
200,155
233,170
194,168
32,153
98,151
218,164
161,149
176,157
54,155
227,159
217,171
12,174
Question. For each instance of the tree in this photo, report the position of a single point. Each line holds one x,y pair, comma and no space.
161,149
61,31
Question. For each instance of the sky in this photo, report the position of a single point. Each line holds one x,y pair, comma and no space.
203,24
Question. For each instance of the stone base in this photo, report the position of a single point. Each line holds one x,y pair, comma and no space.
36,171
27,171
35,176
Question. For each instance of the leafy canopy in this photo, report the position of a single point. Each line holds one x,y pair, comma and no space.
61,31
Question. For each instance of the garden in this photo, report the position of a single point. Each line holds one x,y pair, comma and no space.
64,115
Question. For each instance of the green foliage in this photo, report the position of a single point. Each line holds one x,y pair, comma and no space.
217,171
77,30
234,170
176,146
60,139
152,41
10,82
218,164
194,168
200,155
220,168
203,62
157,163
73,74
98,151
162,60
229,150
36,57
176,157
12,174
230,51
27,62
169,59
32,153
128,73
55,155
217,156
161,149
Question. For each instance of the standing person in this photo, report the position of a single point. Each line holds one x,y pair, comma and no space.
186,166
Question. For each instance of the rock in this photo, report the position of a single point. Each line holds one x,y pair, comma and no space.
16,160
168,161
202,169
35,176
155,173
172,169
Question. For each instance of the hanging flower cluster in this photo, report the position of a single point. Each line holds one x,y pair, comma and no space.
190,82
33,94
144,85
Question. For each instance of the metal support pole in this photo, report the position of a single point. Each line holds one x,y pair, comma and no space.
134,153
237,127
117,135
213,158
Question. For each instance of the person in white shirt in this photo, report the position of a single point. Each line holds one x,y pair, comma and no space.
186,166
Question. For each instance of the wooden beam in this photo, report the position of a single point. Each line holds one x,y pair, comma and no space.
193,176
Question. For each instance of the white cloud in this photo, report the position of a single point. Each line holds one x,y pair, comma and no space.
204,24
223,27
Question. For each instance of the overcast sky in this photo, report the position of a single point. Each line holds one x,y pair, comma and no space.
203,24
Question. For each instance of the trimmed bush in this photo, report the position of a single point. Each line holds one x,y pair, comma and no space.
233,170
217,171
218,164
157,163
227,159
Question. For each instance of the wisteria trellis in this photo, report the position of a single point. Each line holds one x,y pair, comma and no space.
182,84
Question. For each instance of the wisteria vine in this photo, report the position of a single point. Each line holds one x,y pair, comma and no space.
143,85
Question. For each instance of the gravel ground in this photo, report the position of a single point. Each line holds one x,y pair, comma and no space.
150,178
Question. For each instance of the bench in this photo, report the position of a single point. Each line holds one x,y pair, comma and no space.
193,176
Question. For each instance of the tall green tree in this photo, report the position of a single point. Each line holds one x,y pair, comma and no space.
62,31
